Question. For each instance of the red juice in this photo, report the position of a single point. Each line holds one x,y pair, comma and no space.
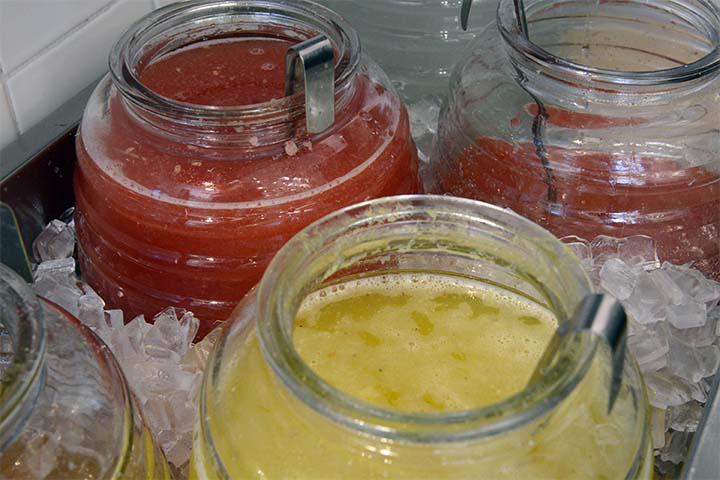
162,221
597,194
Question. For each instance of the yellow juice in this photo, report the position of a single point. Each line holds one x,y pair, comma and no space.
414,343
422,343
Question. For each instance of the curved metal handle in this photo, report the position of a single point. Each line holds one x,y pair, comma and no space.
314,61
605,318
519,14
465,13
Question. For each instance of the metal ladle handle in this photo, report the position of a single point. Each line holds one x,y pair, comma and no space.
312,62
519,14
604,318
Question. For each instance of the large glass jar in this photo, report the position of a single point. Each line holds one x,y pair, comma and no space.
192,174
264,412
65,408
417,43
604,122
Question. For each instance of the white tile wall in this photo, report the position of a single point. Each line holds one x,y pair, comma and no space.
52,49
61,71
26,27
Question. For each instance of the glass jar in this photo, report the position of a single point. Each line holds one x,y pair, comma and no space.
424,37
417,43
604,122
65,408
265,412
184,204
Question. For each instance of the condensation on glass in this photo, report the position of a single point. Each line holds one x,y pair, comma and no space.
65,408
606,121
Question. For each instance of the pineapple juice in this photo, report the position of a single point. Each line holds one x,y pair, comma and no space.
419,343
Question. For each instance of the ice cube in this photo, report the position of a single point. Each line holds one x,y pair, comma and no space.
665,285
694,283
665,389
55,242
114,319
649,346
123,348
685,417
638,250
135,332
709,360
155,412
63,294
647,303
581,249
696,337
684,361
699,391
665,470
676,449
196,357
61,270
91,312
617,278
689,315
172,333
423,124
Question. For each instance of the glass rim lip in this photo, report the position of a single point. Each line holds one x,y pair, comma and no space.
124,77
25,368
507,24
476,423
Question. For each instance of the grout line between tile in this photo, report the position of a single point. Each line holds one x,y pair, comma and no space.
11,104
107,6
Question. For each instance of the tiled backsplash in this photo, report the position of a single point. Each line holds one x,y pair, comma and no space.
52,49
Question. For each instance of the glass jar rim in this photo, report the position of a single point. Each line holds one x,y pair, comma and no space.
707,12
121,59
527,405
30,344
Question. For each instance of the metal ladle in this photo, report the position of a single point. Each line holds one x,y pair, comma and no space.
599,315
602,317
519,14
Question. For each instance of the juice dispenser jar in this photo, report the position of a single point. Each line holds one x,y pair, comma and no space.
65,408
602,120
268,409
194,166
417,43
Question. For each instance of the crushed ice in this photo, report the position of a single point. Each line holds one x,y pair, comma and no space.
162,365
674,334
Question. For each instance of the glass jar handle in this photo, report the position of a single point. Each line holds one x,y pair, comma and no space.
314,60
605,319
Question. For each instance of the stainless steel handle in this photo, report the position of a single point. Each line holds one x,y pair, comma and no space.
313,63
